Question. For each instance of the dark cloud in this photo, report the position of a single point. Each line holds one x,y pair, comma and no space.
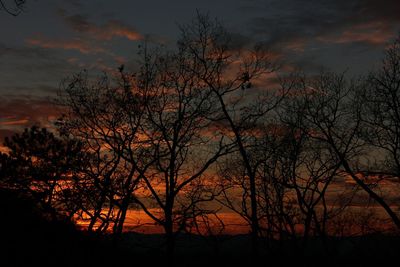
388,10
337,34
32,70
112,28
42,48
23,106
19,112
75,3
82,45
26,52
287,21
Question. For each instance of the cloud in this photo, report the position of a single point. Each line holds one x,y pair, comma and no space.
286,20
112,28
81,45
373,33
89,38
34,70
75,3
318,34
19,112
12,121
26,52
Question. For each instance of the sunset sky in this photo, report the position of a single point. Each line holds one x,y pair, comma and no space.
53,39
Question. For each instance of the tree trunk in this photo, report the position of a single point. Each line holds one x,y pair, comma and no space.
254,217
170,238
372,194
252,179
119,224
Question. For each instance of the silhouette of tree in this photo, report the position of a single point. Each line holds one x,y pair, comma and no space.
332,108
146,133
106,116
381,109
293,173
41,166
230,72
176,128
153,137
308,167
14,7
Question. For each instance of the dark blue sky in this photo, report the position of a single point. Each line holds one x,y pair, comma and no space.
53,39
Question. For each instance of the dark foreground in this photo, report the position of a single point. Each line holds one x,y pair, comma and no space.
29,240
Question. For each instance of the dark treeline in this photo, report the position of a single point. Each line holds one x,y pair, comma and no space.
216,124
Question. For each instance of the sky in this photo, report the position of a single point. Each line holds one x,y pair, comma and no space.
53,39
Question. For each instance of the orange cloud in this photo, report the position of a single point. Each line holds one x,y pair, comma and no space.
115,29
14,122
296,45
82,46
20,112
90,34
374,33
107,31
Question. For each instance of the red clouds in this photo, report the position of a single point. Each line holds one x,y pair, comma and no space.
373,33
107,31
88,37
76,44
20,112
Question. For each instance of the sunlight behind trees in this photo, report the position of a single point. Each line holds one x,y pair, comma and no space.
212,127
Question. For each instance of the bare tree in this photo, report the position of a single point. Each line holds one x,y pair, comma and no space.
293,173
231,72
149,131
310,168
381,110
12,7
176,128
332,107
105,115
